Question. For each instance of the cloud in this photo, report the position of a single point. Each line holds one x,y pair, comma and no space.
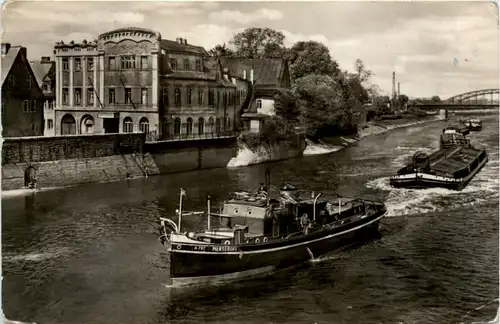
226,16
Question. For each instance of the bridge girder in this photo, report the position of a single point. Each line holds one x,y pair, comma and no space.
472,94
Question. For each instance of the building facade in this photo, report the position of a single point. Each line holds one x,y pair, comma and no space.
266,78
198,98
109,85
45,71
22,98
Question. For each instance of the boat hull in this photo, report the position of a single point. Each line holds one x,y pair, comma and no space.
208,265
419,180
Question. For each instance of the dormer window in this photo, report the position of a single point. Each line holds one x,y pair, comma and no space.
11,82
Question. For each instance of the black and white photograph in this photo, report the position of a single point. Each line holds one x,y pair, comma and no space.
304,162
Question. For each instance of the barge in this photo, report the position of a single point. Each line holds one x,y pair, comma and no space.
473,124
451,137
247,241
451,168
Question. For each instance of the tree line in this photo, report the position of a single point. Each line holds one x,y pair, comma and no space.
324,99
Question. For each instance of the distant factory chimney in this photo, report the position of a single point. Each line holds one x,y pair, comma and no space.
399,93
393,84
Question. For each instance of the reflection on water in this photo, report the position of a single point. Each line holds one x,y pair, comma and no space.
90,254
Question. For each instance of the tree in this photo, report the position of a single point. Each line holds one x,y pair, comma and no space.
221,50
311,57
362,73
323,107
435,99
286,108
257,43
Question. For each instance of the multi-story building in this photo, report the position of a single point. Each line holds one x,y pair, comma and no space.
130,80
198,98
45,71
267,77
22,98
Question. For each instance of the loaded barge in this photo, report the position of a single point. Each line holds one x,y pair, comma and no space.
255,235
452,168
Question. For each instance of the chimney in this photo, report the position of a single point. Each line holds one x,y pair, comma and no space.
251,75
185,41
393,84
5,48
45,59
179,40
245,74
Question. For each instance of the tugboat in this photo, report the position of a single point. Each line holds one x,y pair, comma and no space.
452,137
473,124
452,168
249,240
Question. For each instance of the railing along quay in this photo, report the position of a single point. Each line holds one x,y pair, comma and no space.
194,137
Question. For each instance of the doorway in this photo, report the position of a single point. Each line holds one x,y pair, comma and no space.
111,125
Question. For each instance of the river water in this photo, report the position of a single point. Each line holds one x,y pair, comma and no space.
90,254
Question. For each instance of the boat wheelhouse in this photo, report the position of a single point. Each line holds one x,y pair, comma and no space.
290,231
450,168
451,138
456,128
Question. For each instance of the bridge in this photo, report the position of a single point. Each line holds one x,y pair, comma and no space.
485,99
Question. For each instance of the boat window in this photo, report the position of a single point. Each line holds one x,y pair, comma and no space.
236,210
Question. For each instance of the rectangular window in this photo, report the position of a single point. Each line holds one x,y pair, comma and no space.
78,64
111,96
198,65
65,96
78,96
144,62
51,104
28,81
189,96
173,64
186,65
90,64
33,127
200,97
128,95
33,106
50,124
46,87
128,62
144,96
211,97
177,97
26,106
112,63
65,64
259,103
90,96
11,82
165,97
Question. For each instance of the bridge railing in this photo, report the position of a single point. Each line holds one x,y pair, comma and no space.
195,136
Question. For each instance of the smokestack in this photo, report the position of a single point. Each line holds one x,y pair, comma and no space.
398,90
245,74
393,84
251,76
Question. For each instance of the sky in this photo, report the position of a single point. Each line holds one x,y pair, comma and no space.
436,48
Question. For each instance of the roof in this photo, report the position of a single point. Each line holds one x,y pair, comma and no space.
41,70
8,61
267,71
169,45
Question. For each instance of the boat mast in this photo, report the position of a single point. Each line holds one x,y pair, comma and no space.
183,193
208,211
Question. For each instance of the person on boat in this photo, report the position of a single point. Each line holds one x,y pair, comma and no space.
262,188
305,223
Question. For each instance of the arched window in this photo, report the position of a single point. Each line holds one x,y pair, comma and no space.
177,126
87,124
144,125
177,97
128,125
189,126
217,125
201,125
68,125
211,124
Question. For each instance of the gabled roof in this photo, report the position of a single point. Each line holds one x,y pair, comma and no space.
169,45
41,70
267,71
8,61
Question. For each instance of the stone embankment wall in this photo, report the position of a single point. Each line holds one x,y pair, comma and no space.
74,159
